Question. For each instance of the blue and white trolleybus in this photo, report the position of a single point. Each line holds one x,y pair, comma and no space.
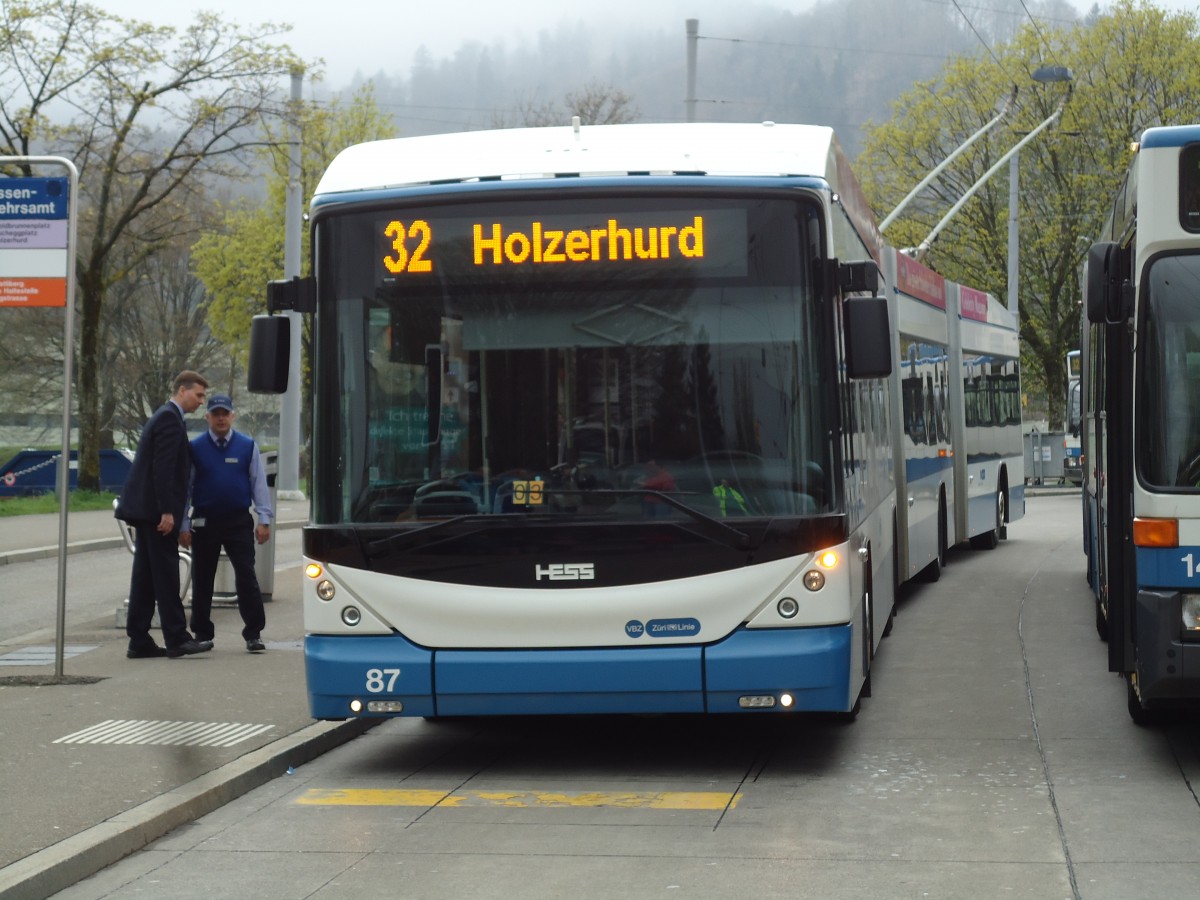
607,420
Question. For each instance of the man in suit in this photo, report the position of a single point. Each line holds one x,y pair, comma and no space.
153,501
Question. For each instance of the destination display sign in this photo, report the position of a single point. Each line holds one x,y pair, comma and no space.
709,243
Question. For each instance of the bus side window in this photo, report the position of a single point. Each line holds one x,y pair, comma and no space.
1189,187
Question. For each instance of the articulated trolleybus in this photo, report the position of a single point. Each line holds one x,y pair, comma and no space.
1141,389
606,420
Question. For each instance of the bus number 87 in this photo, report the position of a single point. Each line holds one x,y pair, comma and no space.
380,681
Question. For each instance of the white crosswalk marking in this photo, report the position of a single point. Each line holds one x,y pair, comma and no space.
144,732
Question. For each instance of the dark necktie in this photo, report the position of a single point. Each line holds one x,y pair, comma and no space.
221,443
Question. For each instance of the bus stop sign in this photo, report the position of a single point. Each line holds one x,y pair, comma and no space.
33,241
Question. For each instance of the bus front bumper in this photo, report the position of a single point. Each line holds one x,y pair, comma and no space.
749,671
1168,658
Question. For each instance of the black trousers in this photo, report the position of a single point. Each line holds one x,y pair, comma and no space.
155,580
234,534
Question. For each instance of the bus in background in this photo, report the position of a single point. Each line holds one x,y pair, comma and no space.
1141,424
605,420
1072,448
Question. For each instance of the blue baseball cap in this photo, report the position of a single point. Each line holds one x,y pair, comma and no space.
220,401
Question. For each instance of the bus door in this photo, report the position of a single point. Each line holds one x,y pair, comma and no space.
1106,300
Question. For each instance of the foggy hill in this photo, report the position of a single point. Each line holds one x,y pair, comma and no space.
838,63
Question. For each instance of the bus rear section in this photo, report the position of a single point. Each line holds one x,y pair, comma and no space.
1072,445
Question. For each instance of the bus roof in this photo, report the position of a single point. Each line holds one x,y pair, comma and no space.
1170,136
764,149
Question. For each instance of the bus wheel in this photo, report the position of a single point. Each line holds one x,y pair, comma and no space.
891,619
990,539
1140,715
933,571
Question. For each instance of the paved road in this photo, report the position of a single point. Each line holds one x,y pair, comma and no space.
995,759
76,797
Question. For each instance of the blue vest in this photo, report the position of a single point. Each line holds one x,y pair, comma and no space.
222,480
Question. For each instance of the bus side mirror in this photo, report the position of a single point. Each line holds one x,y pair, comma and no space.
858,277
868,337
270,349
1108,295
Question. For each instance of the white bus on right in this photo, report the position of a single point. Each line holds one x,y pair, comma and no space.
1140,345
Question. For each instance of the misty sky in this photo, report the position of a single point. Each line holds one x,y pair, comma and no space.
367,37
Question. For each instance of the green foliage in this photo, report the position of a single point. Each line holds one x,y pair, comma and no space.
150,116
1134,66
236,261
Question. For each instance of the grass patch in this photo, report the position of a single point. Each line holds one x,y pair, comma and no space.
80,501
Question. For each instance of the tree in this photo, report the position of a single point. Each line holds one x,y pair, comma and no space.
594,103
149,115
236,260
1134,66
160,316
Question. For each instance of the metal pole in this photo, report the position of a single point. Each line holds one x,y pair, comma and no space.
693,36
64,459
289,413
1014,236
64,464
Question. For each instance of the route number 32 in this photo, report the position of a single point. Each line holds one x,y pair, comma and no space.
381,681
402,258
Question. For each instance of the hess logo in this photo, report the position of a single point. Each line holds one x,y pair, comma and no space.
566,572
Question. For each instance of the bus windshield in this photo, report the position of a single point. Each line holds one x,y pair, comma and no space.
1169,386
573,356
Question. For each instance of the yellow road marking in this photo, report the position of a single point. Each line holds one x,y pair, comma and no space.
703,800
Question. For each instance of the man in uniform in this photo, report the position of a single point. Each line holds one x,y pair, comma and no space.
228,477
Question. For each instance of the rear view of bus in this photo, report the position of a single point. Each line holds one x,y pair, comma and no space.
1142,424
1072,447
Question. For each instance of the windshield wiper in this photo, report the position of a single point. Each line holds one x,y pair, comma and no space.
384,545
714,529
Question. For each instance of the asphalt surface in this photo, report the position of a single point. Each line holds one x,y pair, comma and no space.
117,752
120,752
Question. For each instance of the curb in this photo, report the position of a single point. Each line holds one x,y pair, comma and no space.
32,554
68,862
36,553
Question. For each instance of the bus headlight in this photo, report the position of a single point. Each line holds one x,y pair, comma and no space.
814,580
325,590
351,616
1191,614
787,607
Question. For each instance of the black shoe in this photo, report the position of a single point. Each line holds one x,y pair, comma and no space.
255,645
150,651
189,648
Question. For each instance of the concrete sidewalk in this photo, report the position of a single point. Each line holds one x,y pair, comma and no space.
26,538
119,752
